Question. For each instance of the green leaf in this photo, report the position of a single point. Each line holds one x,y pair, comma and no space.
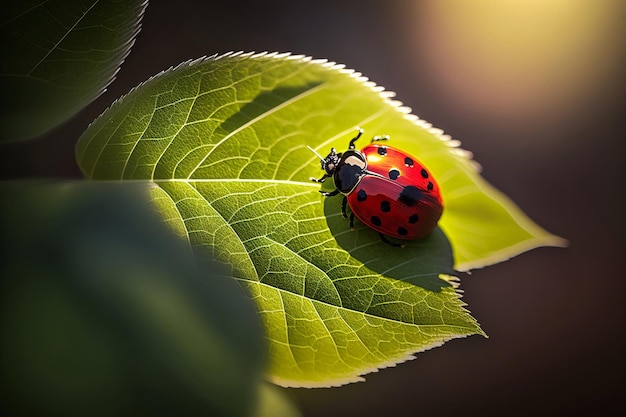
224,139
58,56
104,311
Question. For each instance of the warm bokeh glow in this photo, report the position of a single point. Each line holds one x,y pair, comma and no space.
520,60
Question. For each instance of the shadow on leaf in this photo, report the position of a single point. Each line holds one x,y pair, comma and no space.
263,103
420,262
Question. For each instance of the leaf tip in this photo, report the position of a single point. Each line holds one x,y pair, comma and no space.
544,240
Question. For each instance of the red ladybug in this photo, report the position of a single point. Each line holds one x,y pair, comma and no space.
387,189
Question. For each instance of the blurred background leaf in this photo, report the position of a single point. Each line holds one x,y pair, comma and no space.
58,56
104,312
274,402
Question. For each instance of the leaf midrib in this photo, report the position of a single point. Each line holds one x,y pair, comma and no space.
220,180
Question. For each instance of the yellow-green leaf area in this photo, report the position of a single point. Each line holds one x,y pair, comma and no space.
224,139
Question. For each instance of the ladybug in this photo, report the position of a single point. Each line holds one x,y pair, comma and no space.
385,188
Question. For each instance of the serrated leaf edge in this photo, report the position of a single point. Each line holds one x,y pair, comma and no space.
359,378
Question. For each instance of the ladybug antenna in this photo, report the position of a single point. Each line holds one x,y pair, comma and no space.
316,154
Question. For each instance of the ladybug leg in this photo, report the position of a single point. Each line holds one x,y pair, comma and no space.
358,135
352,221
330,194
321,179
387,241
344,203
380,138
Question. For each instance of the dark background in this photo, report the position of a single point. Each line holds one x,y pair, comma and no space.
536,90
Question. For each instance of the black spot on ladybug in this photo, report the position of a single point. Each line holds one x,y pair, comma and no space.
361,195
375,221
402,231
424,173
413,218
410,195
408,162
385,206
394,174
382,150
430,186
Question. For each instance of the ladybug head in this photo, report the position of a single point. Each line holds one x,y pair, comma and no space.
329,164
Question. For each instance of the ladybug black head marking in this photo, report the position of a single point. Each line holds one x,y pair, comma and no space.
329,164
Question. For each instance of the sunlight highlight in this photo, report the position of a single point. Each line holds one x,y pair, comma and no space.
519,58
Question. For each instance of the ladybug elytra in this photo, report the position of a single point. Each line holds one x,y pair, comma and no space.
385,188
